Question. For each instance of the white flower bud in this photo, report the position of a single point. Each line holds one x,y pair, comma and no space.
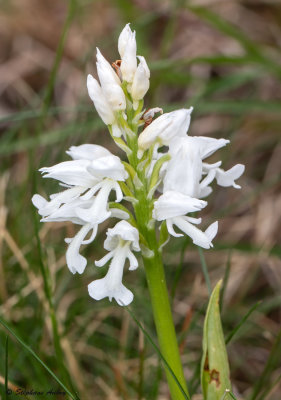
110,84
123,39
115,96
141,80
105,72
129,58
101,104
164,128
144,64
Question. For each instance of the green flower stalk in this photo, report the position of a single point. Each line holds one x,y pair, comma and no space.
158,189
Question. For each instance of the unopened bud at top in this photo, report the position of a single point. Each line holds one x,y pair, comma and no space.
123,39
127,47
164,128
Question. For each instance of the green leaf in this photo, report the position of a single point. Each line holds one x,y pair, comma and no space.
215,379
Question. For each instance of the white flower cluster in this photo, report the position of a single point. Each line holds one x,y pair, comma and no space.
186,178
183,177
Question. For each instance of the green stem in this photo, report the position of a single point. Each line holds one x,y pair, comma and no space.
164,323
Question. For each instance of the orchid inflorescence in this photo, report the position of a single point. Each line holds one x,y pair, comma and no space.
164,180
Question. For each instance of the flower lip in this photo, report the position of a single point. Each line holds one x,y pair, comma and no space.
119,242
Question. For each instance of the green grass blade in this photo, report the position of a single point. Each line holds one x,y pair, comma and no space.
225,279
6,366
48,293
242,322
59,54
149,338
205,270
48,138
251,48
228,394
271,388
273,362
2,322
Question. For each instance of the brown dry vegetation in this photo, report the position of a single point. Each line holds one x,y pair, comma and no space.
222,57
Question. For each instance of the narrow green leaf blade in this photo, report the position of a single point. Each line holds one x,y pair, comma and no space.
6,366
244,319
158,352
2,322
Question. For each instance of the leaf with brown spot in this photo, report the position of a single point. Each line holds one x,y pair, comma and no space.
214,365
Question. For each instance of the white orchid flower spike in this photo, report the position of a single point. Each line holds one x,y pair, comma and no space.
95,183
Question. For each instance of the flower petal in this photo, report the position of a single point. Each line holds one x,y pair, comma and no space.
122,230
71,172
202,239
227,178
170,228
105,259
133,261
87,152
76,262
172,204
108,167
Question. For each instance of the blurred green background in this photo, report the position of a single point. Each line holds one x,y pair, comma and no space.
223,58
